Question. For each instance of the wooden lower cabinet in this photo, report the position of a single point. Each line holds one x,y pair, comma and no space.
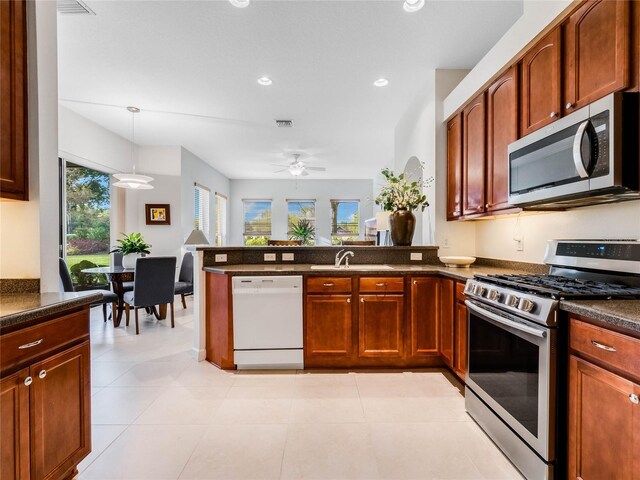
460,351
14,420
381,319
447,320
604,424
424,312
328,330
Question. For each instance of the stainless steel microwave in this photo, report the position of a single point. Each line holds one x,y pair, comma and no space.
588,157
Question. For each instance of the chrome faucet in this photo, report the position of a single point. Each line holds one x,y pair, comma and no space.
344,257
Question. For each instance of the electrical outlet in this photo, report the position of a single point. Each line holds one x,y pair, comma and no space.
269,257
416,256
519,243
445,242
221,257
287,257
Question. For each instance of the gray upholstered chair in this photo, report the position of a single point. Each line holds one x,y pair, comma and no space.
107,295
153,285
184,285
117,262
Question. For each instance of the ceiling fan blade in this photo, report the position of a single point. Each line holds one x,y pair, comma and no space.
279,165
283,170
317,169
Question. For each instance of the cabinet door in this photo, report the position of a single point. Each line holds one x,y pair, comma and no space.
425,303
328,327
502,129
14,158
60,421
454,167
14,419
447,320
381,325
597,53
604,424
473,147
541,83
460,357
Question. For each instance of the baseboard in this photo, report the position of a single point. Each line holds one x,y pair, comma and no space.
199,354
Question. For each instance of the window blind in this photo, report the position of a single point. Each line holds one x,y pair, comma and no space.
257,217
202,198
345,218
221,220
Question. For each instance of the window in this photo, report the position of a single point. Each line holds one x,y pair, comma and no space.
345,220
221,220
257,221
301,220
201,209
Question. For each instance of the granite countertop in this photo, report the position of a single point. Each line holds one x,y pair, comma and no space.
299,269
624,314
19,308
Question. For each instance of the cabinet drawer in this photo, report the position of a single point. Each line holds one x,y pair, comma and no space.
329,285
460,297
17,348
611,348
382,284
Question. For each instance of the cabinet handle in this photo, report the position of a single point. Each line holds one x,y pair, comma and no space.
328,284
30,344
348,300
28,381
603,346
42,374
569,105
381,284
415,282
553,115
634,398
362,300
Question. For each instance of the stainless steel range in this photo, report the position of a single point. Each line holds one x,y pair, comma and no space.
516,375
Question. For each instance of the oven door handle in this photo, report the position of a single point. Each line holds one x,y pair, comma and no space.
578,161
505,321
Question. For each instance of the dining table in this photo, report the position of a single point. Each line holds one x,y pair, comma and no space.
117,275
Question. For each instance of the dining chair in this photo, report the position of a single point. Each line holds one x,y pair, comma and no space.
117,262
67,286
358,242
154,284
284,243
184,285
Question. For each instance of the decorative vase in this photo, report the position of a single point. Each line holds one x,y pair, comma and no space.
402,223
129,260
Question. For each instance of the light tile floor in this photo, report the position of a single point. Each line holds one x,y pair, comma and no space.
158,414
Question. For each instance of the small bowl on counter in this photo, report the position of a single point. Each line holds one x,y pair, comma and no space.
457,262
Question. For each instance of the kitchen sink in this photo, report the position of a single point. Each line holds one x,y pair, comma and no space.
352,267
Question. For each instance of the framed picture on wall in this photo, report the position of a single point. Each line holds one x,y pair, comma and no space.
158,213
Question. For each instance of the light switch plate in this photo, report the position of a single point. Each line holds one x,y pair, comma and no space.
221,257
287,257
416,256
269,257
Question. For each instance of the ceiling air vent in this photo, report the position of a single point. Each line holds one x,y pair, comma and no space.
74,7
284,123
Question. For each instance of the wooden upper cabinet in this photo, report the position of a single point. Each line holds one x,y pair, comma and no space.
425,305
14,419
541,97
60,436
328,329
474,156
502,129
447,320
454,167
597,55
381,320
604,424
14,158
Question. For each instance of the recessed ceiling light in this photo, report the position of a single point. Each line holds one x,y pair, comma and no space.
381,82
412,5
240,3
265,81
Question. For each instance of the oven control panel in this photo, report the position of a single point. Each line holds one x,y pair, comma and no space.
539,309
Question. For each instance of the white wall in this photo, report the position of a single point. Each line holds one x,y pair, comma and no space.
280,190
28,230
193,169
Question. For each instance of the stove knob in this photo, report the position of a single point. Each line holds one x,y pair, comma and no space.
468,288
511,301
526,305
478,290
493,295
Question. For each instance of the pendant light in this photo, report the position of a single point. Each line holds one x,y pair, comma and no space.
133,180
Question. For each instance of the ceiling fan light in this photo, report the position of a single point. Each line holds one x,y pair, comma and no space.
240,3
296,170
133,181
412,6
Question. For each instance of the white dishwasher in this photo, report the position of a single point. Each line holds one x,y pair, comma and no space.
267,322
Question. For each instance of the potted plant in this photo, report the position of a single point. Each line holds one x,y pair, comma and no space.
302,230
400,196
131,247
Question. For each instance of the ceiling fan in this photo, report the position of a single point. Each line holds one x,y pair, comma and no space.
297,167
